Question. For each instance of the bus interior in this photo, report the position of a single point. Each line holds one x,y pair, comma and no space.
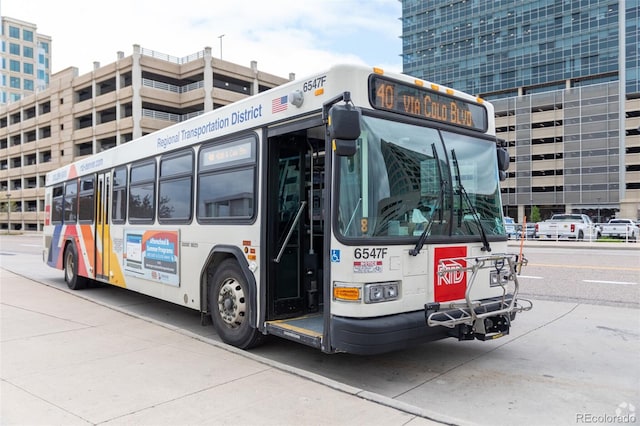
295,234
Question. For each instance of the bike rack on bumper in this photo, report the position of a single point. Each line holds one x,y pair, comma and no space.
484,319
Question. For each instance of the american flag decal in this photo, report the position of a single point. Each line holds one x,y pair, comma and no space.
279,104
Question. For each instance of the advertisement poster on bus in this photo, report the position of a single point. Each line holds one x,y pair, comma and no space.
152,255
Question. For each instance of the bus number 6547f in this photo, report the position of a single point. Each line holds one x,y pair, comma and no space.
370,253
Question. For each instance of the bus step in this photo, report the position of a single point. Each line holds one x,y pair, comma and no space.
306,330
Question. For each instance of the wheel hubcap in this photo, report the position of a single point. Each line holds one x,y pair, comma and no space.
231,303
70,267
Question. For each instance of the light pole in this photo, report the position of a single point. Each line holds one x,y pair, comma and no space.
598,210
220,37
8,213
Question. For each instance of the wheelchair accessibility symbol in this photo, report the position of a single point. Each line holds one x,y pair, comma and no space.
335,256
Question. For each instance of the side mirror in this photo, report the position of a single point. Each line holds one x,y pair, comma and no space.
344,129
503,159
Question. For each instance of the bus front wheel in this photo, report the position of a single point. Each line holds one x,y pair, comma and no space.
74,282
231,308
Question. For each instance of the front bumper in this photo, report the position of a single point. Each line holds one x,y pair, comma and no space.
368,336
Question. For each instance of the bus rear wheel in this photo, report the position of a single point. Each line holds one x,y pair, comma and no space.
74,282
231,308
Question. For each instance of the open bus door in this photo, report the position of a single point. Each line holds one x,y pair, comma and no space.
287,210
298,224
295,234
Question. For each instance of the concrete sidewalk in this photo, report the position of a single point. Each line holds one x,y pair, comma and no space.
67,360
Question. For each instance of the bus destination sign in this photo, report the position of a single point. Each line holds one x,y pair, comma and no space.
395,96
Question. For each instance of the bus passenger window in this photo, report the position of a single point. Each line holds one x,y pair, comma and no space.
119,199
71,202
57,205
226,180
142,192
225,195
86,199
175,187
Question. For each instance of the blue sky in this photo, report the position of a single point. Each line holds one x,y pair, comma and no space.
284,36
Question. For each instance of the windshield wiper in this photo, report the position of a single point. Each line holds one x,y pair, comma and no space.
443,183
474,213
423,237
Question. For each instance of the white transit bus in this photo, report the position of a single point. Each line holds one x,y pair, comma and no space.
354,211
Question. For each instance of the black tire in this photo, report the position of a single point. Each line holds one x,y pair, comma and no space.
231,307
74,282
580,235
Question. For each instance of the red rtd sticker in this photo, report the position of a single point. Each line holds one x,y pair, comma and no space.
452,285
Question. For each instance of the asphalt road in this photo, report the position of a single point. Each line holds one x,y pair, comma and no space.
574,357
585,275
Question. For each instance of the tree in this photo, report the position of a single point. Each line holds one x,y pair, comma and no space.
535,214
7,207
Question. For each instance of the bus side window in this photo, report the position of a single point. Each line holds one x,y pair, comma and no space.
119,198
71,202
226,180
87,203
56,207
142,192
175,187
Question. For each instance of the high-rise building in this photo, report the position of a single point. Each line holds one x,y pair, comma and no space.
564,77
80,115
26,60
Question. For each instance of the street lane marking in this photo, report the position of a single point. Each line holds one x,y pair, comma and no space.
609,282
612,268
530,276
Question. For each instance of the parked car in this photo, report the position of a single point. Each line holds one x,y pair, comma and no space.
621,228
510,227
530,232
574,226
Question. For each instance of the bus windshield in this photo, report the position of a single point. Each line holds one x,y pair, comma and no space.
405,179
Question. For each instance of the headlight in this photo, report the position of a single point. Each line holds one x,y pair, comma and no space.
381,292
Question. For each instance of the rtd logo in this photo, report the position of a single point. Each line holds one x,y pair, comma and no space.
451,285
454,276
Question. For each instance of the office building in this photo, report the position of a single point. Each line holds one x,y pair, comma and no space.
79,115
564,77
26,60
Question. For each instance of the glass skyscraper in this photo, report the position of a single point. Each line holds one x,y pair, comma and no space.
25,58
564,77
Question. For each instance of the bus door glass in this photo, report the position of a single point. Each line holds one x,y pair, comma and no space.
102,237
287,206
